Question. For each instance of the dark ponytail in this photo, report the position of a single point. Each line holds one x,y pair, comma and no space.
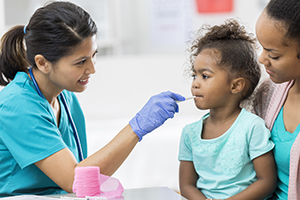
12,54
53,32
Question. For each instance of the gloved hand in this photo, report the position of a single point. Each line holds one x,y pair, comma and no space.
155,112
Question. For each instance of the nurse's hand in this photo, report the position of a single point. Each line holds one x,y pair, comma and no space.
155,112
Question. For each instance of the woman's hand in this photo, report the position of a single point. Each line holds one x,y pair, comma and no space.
156,111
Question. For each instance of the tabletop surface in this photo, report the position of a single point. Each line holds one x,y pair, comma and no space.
153,193
157,193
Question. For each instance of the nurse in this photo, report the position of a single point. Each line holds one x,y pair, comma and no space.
42,127
278,98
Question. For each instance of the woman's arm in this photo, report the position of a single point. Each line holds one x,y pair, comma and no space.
187,181
60,167
265,185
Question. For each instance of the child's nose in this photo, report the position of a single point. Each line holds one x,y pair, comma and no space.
195,84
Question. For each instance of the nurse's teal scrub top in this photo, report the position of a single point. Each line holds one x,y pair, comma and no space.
29,133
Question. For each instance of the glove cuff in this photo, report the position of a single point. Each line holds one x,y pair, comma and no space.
135,127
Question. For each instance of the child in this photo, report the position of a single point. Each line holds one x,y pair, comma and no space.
227,154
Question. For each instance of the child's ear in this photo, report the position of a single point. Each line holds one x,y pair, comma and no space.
238,85
42,63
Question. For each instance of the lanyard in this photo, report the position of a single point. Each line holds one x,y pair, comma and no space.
68,113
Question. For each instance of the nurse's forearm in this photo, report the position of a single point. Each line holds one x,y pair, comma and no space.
60,166
112,155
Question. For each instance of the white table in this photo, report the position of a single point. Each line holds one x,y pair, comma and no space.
152,193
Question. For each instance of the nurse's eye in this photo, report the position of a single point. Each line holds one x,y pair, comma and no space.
81,62
95,53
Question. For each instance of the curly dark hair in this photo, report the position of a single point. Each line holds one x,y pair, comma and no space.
237,51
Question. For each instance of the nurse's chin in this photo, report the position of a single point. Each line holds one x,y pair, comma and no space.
78,89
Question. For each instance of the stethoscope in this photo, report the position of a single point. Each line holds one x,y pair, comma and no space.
68,113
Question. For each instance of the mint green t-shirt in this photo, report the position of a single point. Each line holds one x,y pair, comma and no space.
224,164
29,133
283,141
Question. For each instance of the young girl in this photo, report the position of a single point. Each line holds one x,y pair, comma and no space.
227,154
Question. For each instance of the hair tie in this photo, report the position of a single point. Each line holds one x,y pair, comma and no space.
24,29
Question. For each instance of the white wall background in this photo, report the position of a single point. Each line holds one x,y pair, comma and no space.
138,59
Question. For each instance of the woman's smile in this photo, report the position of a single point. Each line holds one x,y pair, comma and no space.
84,81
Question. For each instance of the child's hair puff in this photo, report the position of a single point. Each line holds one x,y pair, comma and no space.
236,49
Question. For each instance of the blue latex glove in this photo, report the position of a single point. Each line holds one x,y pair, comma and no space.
155,112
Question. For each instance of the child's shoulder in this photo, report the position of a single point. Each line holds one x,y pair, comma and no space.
193,125
250,116
197,125
249,120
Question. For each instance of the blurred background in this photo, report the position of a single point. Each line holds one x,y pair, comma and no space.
142,51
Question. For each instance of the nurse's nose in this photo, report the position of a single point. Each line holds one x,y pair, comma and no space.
91,68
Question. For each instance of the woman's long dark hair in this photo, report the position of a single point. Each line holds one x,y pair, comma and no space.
53,31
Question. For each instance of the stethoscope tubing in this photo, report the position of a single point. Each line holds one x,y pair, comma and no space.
76,136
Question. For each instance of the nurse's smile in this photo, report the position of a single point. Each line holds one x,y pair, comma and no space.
84,81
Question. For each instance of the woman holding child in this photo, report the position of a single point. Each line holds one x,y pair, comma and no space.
277,100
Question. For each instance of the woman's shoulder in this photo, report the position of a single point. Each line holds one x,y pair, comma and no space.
263,96
266,87
19,90
71,98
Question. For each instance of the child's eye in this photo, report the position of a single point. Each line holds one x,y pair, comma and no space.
193,76
204,76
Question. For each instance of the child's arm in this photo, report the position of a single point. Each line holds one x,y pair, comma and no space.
187,181
265,185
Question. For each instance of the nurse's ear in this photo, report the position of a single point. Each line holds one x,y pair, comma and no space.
42,64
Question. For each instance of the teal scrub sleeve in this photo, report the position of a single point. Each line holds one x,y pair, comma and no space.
28,129
259,139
